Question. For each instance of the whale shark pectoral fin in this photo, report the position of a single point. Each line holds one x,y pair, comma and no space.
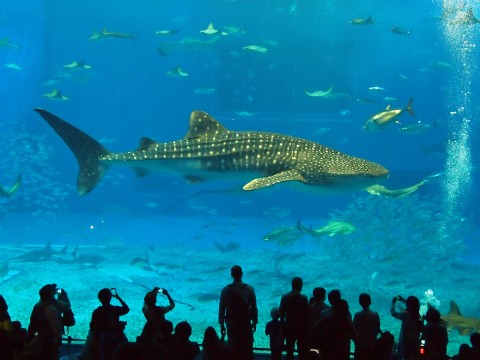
287,175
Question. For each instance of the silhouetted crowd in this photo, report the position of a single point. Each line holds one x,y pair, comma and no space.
317,330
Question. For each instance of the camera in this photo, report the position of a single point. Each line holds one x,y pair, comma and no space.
58,291
160,291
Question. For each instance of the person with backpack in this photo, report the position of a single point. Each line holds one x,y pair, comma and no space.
45,328
238,316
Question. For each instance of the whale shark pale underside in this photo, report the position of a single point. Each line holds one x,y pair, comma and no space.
210,151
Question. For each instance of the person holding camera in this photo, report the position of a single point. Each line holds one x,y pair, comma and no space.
106,330
412,325
152,312
45,328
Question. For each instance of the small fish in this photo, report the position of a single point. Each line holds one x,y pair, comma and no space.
204,90
9,192
333,228
210,30
381,190
277,233
4,43
77,65
319,93
177,72
345,112
362,21
415,128
366,101
244,113
256,48
403,77
166,32
232,30
110,34
439,64
389,99
12,66
377,88
400,31
55,95
379,120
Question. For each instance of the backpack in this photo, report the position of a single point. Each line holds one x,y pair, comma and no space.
68,318
238,309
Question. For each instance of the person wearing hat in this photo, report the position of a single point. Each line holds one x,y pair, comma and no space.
45,328
238,316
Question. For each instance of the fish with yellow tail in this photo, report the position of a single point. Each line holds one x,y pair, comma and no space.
333,228
381,119
210,151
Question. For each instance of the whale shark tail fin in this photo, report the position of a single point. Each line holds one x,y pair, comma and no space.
86,149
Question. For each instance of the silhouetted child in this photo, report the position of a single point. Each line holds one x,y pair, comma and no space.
475,341
181,347
213,347
274,329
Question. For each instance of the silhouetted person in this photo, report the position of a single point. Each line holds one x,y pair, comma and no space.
181,347
367,327
475,341
294,315
129,351
19,338
409,339
337,332
153,312
106,330
384,346
274,330
5,320
213,347
45,328
6,344
238,316
464,353
316,306
435,335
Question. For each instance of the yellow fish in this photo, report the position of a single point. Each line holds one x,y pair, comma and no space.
379,120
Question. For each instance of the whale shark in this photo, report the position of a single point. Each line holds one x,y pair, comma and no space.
210,151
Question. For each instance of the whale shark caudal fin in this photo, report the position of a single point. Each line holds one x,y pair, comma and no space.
86,149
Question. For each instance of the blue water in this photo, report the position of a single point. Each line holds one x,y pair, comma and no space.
311,46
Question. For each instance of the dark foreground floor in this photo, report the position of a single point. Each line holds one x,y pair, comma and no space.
77,348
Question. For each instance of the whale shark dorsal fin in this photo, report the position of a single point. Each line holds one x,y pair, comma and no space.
145,143
454,309
202,124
